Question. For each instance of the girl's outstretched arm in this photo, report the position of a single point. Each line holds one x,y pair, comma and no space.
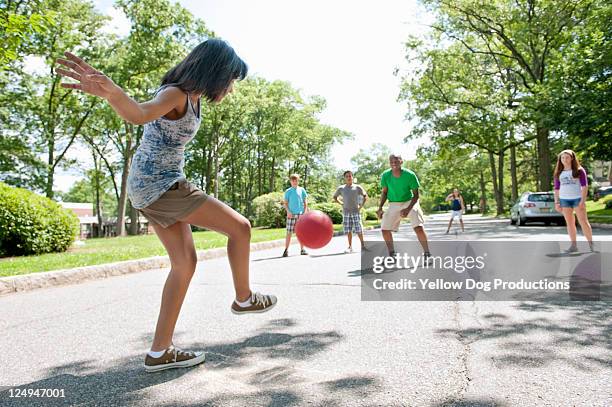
95,83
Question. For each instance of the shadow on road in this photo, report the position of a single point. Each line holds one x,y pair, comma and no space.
470,403
269,356
587,326
333,254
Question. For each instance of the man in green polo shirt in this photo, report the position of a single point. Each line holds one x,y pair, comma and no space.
401,187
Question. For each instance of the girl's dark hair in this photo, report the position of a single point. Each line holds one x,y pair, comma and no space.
347,172
575,164
208,69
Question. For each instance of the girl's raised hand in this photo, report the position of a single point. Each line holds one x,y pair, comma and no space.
90,80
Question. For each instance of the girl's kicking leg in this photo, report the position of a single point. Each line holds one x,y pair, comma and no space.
215,215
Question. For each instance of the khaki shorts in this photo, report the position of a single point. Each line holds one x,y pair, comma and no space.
392,217
176,203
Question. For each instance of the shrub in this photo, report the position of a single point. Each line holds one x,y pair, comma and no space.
32,224
334,211
269,210
370,213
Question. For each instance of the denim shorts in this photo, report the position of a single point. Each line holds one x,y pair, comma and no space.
569,203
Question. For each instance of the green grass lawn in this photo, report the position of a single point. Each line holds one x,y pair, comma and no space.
598,213
108,250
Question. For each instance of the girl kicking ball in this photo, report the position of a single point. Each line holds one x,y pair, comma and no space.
158,188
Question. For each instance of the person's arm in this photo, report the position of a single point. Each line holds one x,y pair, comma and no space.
413,201
94,82
556,187
364,197
584,187
448,197
462,204
383,199
286,205
336,195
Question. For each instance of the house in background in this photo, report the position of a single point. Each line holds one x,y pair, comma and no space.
602,172
87,221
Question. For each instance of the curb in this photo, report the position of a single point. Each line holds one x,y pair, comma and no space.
601,225
34,281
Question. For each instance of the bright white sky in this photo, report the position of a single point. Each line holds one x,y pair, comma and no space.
345,51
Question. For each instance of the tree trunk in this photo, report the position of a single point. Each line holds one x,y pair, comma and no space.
610,172
272,175
494,177
202,171
483,193
50,169
500,183
209,171
216,194
97,186
127,158
513,173
134,221
544,168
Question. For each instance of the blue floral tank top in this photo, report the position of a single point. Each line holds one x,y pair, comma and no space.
159,159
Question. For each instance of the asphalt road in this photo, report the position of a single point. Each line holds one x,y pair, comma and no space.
320,346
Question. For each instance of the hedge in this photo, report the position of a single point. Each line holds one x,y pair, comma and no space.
33,224
269,210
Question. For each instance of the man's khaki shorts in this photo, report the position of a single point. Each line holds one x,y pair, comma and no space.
176,203
391,218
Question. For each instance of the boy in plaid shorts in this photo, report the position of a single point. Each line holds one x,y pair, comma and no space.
351,204
295,204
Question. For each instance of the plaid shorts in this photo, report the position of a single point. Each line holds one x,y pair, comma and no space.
291,223
352,222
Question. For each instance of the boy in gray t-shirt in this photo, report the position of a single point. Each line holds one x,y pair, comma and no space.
353,199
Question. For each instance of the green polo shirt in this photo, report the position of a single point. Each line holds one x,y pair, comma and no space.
399,188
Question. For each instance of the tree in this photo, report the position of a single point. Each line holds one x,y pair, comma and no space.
524,36
54,115
18,21
370,163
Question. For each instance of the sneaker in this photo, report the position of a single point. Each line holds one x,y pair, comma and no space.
427,258
172,359
303,252
591,247
572,249
259,303
349,250
285,254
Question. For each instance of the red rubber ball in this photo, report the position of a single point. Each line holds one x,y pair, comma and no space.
314,229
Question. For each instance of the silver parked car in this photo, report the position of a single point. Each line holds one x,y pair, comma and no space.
535,207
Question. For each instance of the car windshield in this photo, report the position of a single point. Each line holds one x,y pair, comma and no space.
541,198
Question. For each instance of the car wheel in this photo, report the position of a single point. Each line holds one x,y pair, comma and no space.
521,221
512,221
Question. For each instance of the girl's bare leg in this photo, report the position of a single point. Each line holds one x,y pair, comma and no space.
215,215
178,241
568,214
